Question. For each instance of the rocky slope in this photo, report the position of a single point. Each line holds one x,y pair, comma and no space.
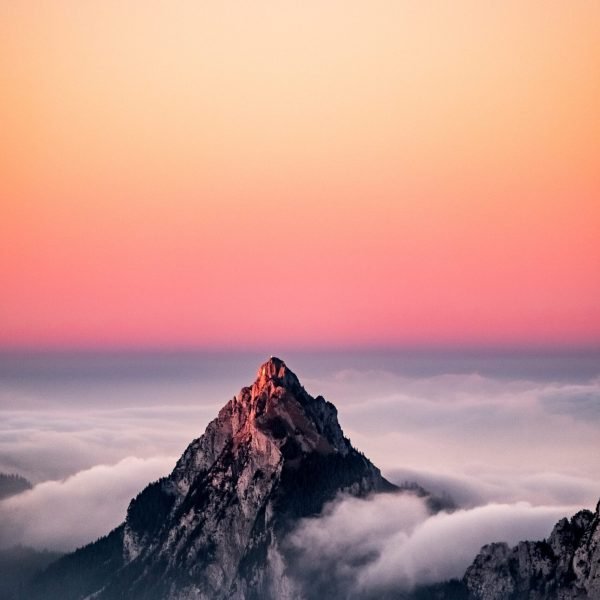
566,566
214,527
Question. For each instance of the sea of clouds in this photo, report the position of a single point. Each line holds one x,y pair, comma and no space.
516,453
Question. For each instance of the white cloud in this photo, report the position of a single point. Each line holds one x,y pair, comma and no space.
444,545
474,426
54,443
494,485
390,541
62,515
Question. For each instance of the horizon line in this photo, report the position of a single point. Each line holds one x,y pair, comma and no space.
271,350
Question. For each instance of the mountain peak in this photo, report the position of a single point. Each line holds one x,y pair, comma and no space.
276,371
216,527
272,366
277,406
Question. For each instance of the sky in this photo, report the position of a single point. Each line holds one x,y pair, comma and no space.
315,174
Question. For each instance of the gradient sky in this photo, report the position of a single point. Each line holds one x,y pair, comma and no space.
299,173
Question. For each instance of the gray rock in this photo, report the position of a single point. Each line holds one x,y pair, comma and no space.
566,566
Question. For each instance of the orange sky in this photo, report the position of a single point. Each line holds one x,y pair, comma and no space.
299,173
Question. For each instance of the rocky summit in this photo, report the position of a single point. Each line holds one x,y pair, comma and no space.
214,528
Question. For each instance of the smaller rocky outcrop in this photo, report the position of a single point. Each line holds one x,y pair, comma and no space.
566,566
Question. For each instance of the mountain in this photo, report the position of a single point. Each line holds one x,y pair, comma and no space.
215,527
566,566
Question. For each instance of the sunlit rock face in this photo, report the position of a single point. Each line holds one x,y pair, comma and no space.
214,527
566,566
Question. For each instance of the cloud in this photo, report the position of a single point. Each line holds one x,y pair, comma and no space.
578,401
390,541
474,426
484,436
57,442
444,545
454,421
62,515
493,485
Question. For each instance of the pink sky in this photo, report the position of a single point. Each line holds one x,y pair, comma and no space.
300,174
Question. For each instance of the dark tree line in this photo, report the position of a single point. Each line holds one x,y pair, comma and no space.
12,484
